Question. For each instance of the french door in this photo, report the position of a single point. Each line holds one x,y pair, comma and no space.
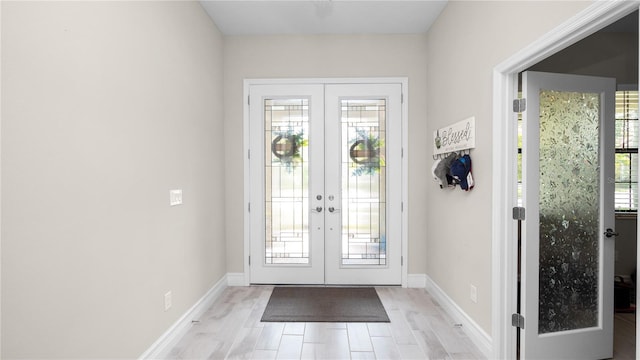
568,178
325,178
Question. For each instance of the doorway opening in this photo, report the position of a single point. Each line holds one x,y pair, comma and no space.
325,184
597,17
613,52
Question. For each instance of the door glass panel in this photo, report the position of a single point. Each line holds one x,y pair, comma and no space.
569,211
286,181
363,129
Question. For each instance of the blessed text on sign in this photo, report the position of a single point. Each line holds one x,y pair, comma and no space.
455,137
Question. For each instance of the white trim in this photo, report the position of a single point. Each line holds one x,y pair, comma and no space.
1,242
404,81
405,181
502,303
161,348
475,333
326,81
593,18
417,281
247,182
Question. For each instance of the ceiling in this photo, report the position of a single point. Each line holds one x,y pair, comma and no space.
628,23
265,17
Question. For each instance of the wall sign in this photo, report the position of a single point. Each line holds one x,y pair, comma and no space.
455,137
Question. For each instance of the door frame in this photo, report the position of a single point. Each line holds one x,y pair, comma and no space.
504,175
403,81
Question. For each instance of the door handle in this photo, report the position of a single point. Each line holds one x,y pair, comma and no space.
332,209
609,233
317,209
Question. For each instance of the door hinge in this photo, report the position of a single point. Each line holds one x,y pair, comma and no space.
519,105
249,100
402,98
401,260
402,206
249,207
249,154
517,320
518,213
249,260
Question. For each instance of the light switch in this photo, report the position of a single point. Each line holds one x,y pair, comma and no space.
175,197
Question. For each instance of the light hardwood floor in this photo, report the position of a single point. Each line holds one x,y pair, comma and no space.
419,329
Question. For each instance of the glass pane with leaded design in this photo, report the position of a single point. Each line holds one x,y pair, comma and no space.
363,129
286,181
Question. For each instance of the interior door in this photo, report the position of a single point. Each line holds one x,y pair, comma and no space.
325,174
568,193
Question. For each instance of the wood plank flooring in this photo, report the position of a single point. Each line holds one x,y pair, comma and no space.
624,339
419,329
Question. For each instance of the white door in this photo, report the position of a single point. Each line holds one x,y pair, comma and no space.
568,172
325,174
363,182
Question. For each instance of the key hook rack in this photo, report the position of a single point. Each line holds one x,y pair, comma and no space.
457,138
444,155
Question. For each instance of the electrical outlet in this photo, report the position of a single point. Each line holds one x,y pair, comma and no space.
175,197
167,301
473,293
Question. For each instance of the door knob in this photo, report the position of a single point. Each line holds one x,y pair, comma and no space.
317,209
609,233
332,209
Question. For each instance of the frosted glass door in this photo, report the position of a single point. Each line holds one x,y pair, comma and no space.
568,158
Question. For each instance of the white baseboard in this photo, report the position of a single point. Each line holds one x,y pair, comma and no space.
161,348
417,281
166,342
475,333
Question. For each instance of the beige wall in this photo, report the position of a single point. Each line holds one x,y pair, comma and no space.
464,45
325,56
626,245
105,107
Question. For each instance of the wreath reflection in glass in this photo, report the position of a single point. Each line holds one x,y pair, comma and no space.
365,153
286,147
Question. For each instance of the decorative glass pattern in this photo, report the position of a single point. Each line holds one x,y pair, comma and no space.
363,129
569,210
286,181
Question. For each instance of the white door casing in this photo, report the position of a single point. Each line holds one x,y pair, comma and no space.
324,198
567,279
504,148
